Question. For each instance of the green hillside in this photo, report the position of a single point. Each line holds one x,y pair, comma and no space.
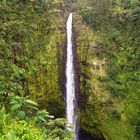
32,68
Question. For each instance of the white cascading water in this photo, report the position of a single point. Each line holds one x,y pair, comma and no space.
70,84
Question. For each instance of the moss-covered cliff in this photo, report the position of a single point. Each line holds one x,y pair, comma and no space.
108,40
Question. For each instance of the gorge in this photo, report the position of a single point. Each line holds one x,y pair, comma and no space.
69,69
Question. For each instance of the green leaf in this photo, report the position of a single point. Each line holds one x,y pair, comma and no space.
15,107
31,102
21,114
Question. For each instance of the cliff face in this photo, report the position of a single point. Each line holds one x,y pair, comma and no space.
107,65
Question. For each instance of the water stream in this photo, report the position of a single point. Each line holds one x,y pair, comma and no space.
70,84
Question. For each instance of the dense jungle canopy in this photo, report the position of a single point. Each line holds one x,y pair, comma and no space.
32,68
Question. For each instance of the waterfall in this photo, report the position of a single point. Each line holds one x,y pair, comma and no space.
70,84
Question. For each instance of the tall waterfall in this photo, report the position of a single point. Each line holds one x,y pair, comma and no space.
70,84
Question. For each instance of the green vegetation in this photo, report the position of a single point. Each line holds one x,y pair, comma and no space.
23,121
29,42
113,72
31,61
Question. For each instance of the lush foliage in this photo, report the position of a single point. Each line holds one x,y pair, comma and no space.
31,68
23,121
29,45
113,60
